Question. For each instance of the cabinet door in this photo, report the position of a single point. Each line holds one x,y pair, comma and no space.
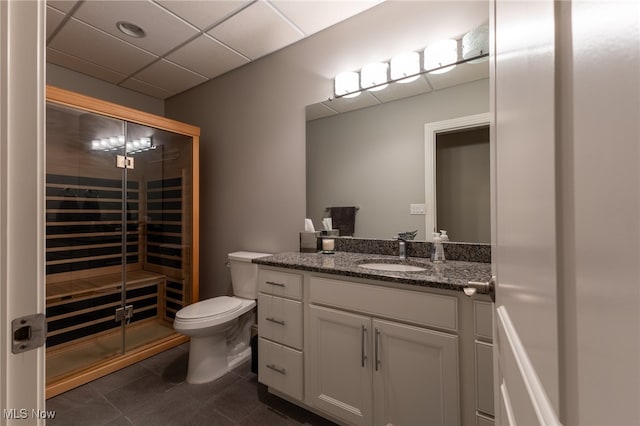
415,374
340,364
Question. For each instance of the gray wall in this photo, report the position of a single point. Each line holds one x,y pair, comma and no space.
374,158
253,126
81,83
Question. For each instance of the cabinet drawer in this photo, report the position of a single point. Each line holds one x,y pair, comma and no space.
278,283
280,368
405,305
483,319
484,377
280,320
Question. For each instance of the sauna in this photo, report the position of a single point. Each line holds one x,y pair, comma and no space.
121,235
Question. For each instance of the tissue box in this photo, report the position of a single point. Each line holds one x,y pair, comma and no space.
309,242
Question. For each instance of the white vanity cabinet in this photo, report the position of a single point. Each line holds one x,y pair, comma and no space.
369,352
366,370
280,360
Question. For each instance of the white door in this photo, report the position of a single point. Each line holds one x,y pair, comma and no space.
22,36
524,212
415,379
340,358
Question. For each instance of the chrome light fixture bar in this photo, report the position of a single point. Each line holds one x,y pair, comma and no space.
478,58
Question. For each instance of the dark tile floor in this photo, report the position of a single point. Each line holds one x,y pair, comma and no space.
154,392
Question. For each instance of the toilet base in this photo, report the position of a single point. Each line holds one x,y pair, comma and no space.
209,359
237,359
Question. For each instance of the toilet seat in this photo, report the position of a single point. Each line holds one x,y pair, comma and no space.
209,308
199,317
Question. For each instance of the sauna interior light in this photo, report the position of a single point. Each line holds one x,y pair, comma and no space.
373,76
439,54
476,43
347,84
404,65
113,143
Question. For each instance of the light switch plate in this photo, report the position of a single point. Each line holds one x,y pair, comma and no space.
417,208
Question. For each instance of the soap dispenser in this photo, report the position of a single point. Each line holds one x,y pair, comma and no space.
443,236
437,255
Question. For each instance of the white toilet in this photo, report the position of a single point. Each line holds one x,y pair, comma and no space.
220,328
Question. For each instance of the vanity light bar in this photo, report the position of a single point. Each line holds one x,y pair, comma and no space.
438,58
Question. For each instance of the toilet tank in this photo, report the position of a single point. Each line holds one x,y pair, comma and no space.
244,274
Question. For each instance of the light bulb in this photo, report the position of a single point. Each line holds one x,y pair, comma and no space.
346,84
439,54
374,75
404,65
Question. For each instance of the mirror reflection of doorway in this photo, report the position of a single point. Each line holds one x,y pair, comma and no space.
463,184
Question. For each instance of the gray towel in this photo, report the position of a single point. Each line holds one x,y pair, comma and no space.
344,219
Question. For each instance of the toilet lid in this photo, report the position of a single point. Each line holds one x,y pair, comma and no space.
210,308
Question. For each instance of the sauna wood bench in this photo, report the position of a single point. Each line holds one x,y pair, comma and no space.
80,287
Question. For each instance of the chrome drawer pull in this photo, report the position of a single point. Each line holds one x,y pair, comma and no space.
362,345
275,283
377,350
277,321
276,369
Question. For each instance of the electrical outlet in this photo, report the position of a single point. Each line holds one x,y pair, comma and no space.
417,209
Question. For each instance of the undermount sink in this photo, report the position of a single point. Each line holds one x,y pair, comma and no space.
392,267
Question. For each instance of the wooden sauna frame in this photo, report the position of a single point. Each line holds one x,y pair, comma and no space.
81,285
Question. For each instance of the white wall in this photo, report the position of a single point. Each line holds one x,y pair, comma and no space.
600,212
253,125
374,158
81,83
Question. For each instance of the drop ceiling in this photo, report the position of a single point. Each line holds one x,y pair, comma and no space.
186,43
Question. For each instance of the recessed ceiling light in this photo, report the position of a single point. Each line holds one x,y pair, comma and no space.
130,29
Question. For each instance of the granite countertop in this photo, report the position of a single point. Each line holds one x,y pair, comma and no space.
451,275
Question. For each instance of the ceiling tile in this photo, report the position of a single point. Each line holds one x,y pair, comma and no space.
54,18
81,40
63,5
147,89
349,104
169,76
163,30
397,90
462,73
202,14
313,16
319,110
256,31
206,56
84,67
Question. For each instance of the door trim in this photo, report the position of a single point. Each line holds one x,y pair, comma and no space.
22,147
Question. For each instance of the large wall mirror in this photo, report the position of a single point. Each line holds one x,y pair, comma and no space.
370,152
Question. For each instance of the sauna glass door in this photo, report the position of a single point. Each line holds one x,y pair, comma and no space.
86,247
159,232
